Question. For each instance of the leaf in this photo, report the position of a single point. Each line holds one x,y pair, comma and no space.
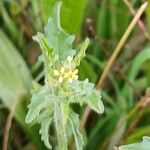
15,82
81,52
140,59
72,13
94,101
41,111
15,78
138,133
74,122
40,100
86,70
44,131
103,20
36,10
9,23
84,92
144,145
55,38
44,45
47,6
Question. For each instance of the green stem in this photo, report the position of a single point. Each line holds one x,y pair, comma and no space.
60,127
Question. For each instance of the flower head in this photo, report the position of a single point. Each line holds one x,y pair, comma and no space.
65,72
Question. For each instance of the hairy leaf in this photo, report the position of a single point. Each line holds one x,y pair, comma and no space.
44,131
55,38
81,53
74,122
84,92
144,145
41,99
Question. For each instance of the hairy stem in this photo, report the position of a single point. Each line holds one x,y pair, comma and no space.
60,127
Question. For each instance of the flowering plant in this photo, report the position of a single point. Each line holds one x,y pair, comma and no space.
50,103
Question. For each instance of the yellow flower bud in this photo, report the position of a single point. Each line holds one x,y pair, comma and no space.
62,70
60,79
56,73
69,59
75,77
66,75
70,72
75,71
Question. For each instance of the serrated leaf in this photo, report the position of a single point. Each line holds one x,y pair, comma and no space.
81,52
84,92
44,46
55,38
94,102
41,111
40,100
74,122
44,131
144,145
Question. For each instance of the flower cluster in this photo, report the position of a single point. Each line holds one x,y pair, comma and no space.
66,71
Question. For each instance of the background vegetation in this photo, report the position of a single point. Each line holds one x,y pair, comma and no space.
125,93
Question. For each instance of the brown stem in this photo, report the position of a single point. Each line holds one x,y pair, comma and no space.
120,44
7,128
140,22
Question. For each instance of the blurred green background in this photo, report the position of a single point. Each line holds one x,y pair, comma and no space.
126,91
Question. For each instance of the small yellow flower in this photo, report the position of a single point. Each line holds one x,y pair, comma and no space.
69,59
62,70
69,73
66,73
56,73
60,79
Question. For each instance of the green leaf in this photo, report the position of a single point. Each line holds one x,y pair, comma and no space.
74,122
94,101
144,145
40,100
84,92
44,46
44,131
55,38
138,133
41,111
81,52
86,70
138,61
103,20
15,82
71,16
15,78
